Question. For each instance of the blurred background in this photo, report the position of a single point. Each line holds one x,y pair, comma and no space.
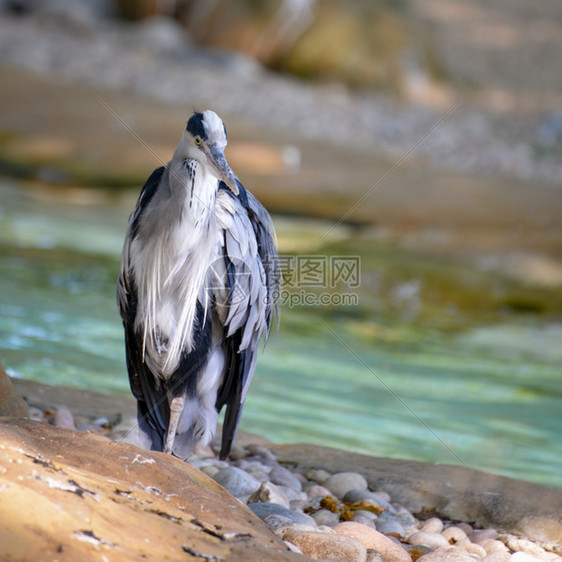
418,139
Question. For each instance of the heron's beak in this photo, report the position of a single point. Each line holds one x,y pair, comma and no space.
226,174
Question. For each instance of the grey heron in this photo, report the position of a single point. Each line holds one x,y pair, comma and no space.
196,292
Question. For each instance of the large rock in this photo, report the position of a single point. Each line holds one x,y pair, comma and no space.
455,492
76,496
10,402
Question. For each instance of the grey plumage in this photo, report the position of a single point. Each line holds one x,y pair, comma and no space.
197,289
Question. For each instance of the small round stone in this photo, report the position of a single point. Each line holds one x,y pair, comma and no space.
447,554
284,477
471,548
498,556
433,540
492,545
318,475
358,518
342,482
454,534
264,509
432,525
270,493
260,451
367,514
236,481
523,545
316,491
209,470
388,525
327,546
374,540
524,557
326,517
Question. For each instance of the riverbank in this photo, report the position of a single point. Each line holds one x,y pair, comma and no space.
327,503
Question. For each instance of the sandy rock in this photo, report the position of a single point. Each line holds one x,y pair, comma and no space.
11,403
374,540
541,529
341,483
77,496
320,546
433,540
447,554
270,493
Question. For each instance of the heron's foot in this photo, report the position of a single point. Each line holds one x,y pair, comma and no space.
176,408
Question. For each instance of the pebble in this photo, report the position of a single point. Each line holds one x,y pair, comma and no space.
471,548
454,534
524,557
317,491
446,554
209,470
264,509
342,482
432,525
424,538
492,545
279,497
269,493
523,545
320,546
498,556
374,556
326,517
284,477
361,495
374,540
318,475
364,521
387,525
367,514
236,481
64,418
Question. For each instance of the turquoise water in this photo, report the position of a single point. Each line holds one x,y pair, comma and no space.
364,378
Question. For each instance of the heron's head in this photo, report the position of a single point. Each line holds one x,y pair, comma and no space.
204,140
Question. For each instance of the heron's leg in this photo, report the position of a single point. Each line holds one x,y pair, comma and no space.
176,408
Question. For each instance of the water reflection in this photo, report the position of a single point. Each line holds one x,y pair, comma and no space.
456,386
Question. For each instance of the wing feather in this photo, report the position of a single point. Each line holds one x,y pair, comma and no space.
249,248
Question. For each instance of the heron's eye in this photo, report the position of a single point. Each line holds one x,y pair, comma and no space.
198,141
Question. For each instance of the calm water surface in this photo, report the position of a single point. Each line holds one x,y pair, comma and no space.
364,378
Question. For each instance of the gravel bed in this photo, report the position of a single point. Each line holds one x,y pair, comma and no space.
334,516
155,60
